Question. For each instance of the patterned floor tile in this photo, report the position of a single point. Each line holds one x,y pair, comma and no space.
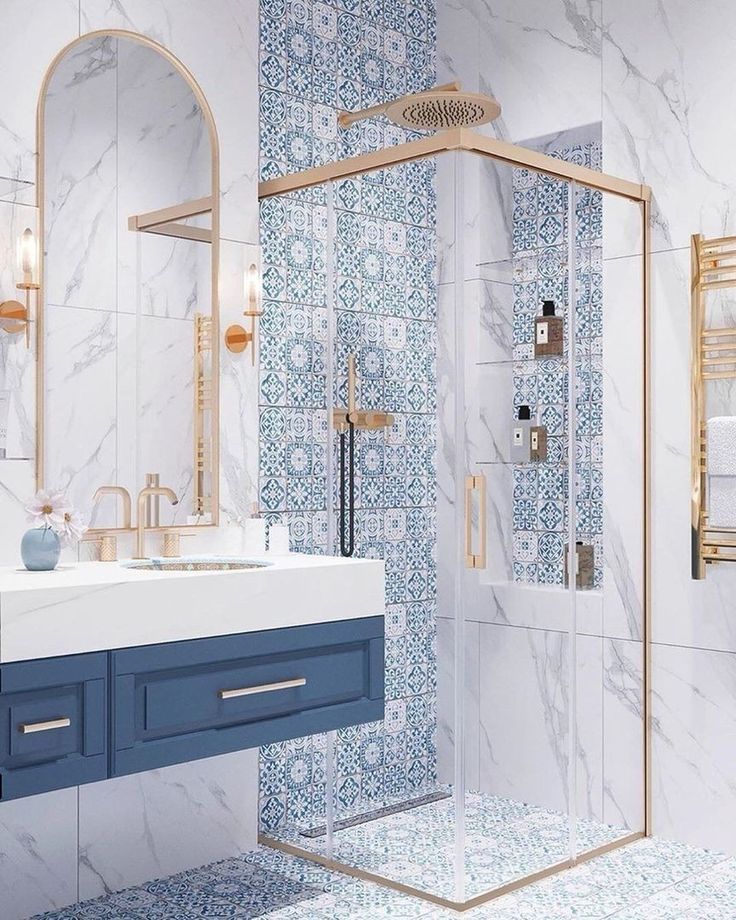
649,880
505,840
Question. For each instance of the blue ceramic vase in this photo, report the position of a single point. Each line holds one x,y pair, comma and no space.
40,549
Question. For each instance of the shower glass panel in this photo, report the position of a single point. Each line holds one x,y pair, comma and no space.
513,665
610,517
513,741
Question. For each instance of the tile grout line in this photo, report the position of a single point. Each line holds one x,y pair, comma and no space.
659,891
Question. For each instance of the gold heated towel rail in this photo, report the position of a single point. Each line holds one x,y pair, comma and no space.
713,357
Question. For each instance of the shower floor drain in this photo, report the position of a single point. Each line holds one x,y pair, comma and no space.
321,829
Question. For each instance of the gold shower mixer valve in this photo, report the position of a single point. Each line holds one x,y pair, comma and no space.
370,420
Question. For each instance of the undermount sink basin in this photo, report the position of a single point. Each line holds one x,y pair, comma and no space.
187,564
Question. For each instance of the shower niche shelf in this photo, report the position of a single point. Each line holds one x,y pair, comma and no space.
713,359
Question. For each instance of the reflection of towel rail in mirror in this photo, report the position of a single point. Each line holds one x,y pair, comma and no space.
713,358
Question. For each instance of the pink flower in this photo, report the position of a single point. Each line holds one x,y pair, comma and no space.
47,509
51,508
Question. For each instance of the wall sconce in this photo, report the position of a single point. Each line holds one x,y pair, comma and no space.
15,317
237,338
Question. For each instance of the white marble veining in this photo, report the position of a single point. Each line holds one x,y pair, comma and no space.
80,436
93,605
239,452
661,63
17,361
623,746
694,732
524,710
541,60
221,51
21,20
623,449
154,824
38,854
80,171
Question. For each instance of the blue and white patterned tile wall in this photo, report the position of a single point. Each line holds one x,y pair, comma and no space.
540,266
317,58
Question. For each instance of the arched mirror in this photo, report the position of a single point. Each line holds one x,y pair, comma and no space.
128,179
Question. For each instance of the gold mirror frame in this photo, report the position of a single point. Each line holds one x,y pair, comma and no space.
204,106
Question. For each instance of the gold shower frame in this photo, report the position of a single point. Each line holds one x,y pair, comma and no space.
470,141
211,203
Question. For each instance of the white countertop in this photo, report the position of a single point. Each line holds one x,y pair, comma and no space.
94,606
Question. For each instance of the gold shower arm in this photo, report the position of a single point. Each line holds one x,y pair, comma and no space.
345,119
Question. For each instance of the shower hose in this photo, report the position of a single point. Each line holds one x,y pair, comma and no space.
347,502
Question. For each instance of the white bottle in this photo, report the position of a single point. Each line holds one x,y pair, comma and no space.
254,540
278,539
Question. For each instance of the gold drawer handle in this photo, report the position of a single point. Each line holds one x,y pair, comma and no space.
262,688
30,728
477,484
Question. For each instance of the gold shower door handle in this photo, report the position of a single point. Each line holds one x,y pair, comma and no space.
475,484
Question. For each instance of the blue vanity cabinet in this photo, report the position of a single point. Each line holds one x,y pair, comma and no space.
53,724
186,700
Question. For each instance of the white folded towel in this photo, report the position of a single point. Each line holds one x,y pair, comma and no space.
721,445
722,501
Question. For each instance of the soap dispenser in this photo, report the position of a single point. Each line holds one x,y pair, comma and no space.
548,332
528,441
584,565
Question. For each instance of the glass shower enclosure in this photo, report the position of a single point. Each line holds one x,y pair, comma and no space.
533,654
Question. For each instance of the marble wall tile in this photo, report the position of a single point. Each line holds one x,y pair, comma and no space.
80,173
446,702
165,157
154,824
17,485
540,607
17,362
38,854
623,448
524,699
221,50
80,432
164,416
660,124
623,733
238,392
496,298
541,60
21,19
694,741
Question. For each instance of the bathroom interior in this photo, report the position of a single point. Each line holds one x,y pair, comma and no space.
366,478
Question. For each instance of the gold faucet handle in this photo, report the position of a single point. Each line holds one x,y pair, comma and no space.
108,544
171,548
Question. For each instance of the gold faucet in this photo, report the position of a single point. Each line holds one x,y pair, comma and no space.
115,490
140,540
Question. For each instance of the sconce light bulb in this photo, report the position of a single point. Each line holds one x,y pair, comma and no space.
253,287
27,254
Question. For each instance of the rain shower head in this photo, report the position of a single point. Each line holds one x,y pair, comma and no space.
436,111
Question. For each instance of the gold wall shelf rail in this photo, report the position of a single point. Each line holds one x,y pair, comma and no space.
713,357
